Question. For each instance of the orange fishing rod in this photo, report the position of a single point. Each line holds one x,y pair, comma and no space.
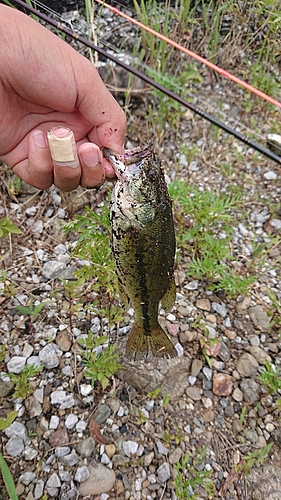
64,29
188,52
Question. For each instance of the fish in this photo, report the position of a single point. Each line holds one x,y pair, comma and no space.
143,245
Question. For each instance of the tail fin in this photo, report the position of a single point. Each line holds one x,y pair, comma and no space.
140,342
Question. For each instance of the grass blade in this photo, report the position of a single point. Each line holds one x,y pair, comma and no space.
8,480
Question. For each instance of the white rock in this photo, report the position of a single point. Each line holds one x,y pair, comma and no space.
63,399
54,422
31,210
53,481
16,364
29,453
82,474
49,356
70,459
27,350
71,420
163,472
17,429
27,477
33,360
179,349
61,451
161,448
270,175
130,448
39,488
81,426
39,394
14,446
86,389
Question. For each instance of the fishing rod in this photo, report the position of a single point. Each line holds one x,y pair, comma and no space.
195,109
188,52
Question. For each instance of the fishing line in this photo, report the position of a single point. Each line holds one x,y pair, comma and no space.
258,147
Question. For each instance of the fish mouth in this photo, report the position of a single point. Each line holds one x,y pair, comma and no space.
130,162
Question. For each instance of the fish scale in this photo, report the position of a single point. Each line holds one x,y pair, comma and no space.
143,246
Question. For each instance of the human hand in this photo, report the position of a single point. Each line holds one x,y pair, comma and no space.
45,83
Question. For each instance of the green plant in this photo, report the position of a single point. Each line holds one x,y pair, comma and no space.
8,480
274,311
243,414
204,230
177,437
7,227
3,352
9,289
93,245
99,366
14,185
154,394
153,14
253,458
141,417
4,424
31,311
165,400
23,387
270,377
190,475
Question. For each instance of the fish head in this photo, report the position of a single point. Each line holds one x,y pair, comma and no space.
139,174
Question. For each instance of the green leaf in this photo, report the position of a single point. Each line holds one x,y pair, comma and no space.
9,420
154,394
8,480
7,227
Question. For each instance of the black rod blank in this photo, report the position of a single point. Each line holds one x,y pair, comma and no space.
61,27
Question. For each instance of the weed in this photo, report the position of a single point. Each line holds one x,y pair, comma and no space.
270,378
243,414
14,185
190,474
8,480
253,458
100,362
8,288
141,417
165,400
4,424
93,245
154,394
153,13
23,387
204,228
31,311
7,227
177,438
3,352
232,284
274,311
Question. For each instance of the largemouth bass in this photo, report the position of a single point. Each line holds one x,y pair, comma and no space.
143,246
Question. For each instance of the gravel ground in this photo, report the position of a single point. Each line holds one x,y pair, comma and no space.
135,439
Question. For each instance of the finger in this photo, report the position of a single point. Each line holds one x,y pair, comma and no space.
92,162
111,133
67,170
37,170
